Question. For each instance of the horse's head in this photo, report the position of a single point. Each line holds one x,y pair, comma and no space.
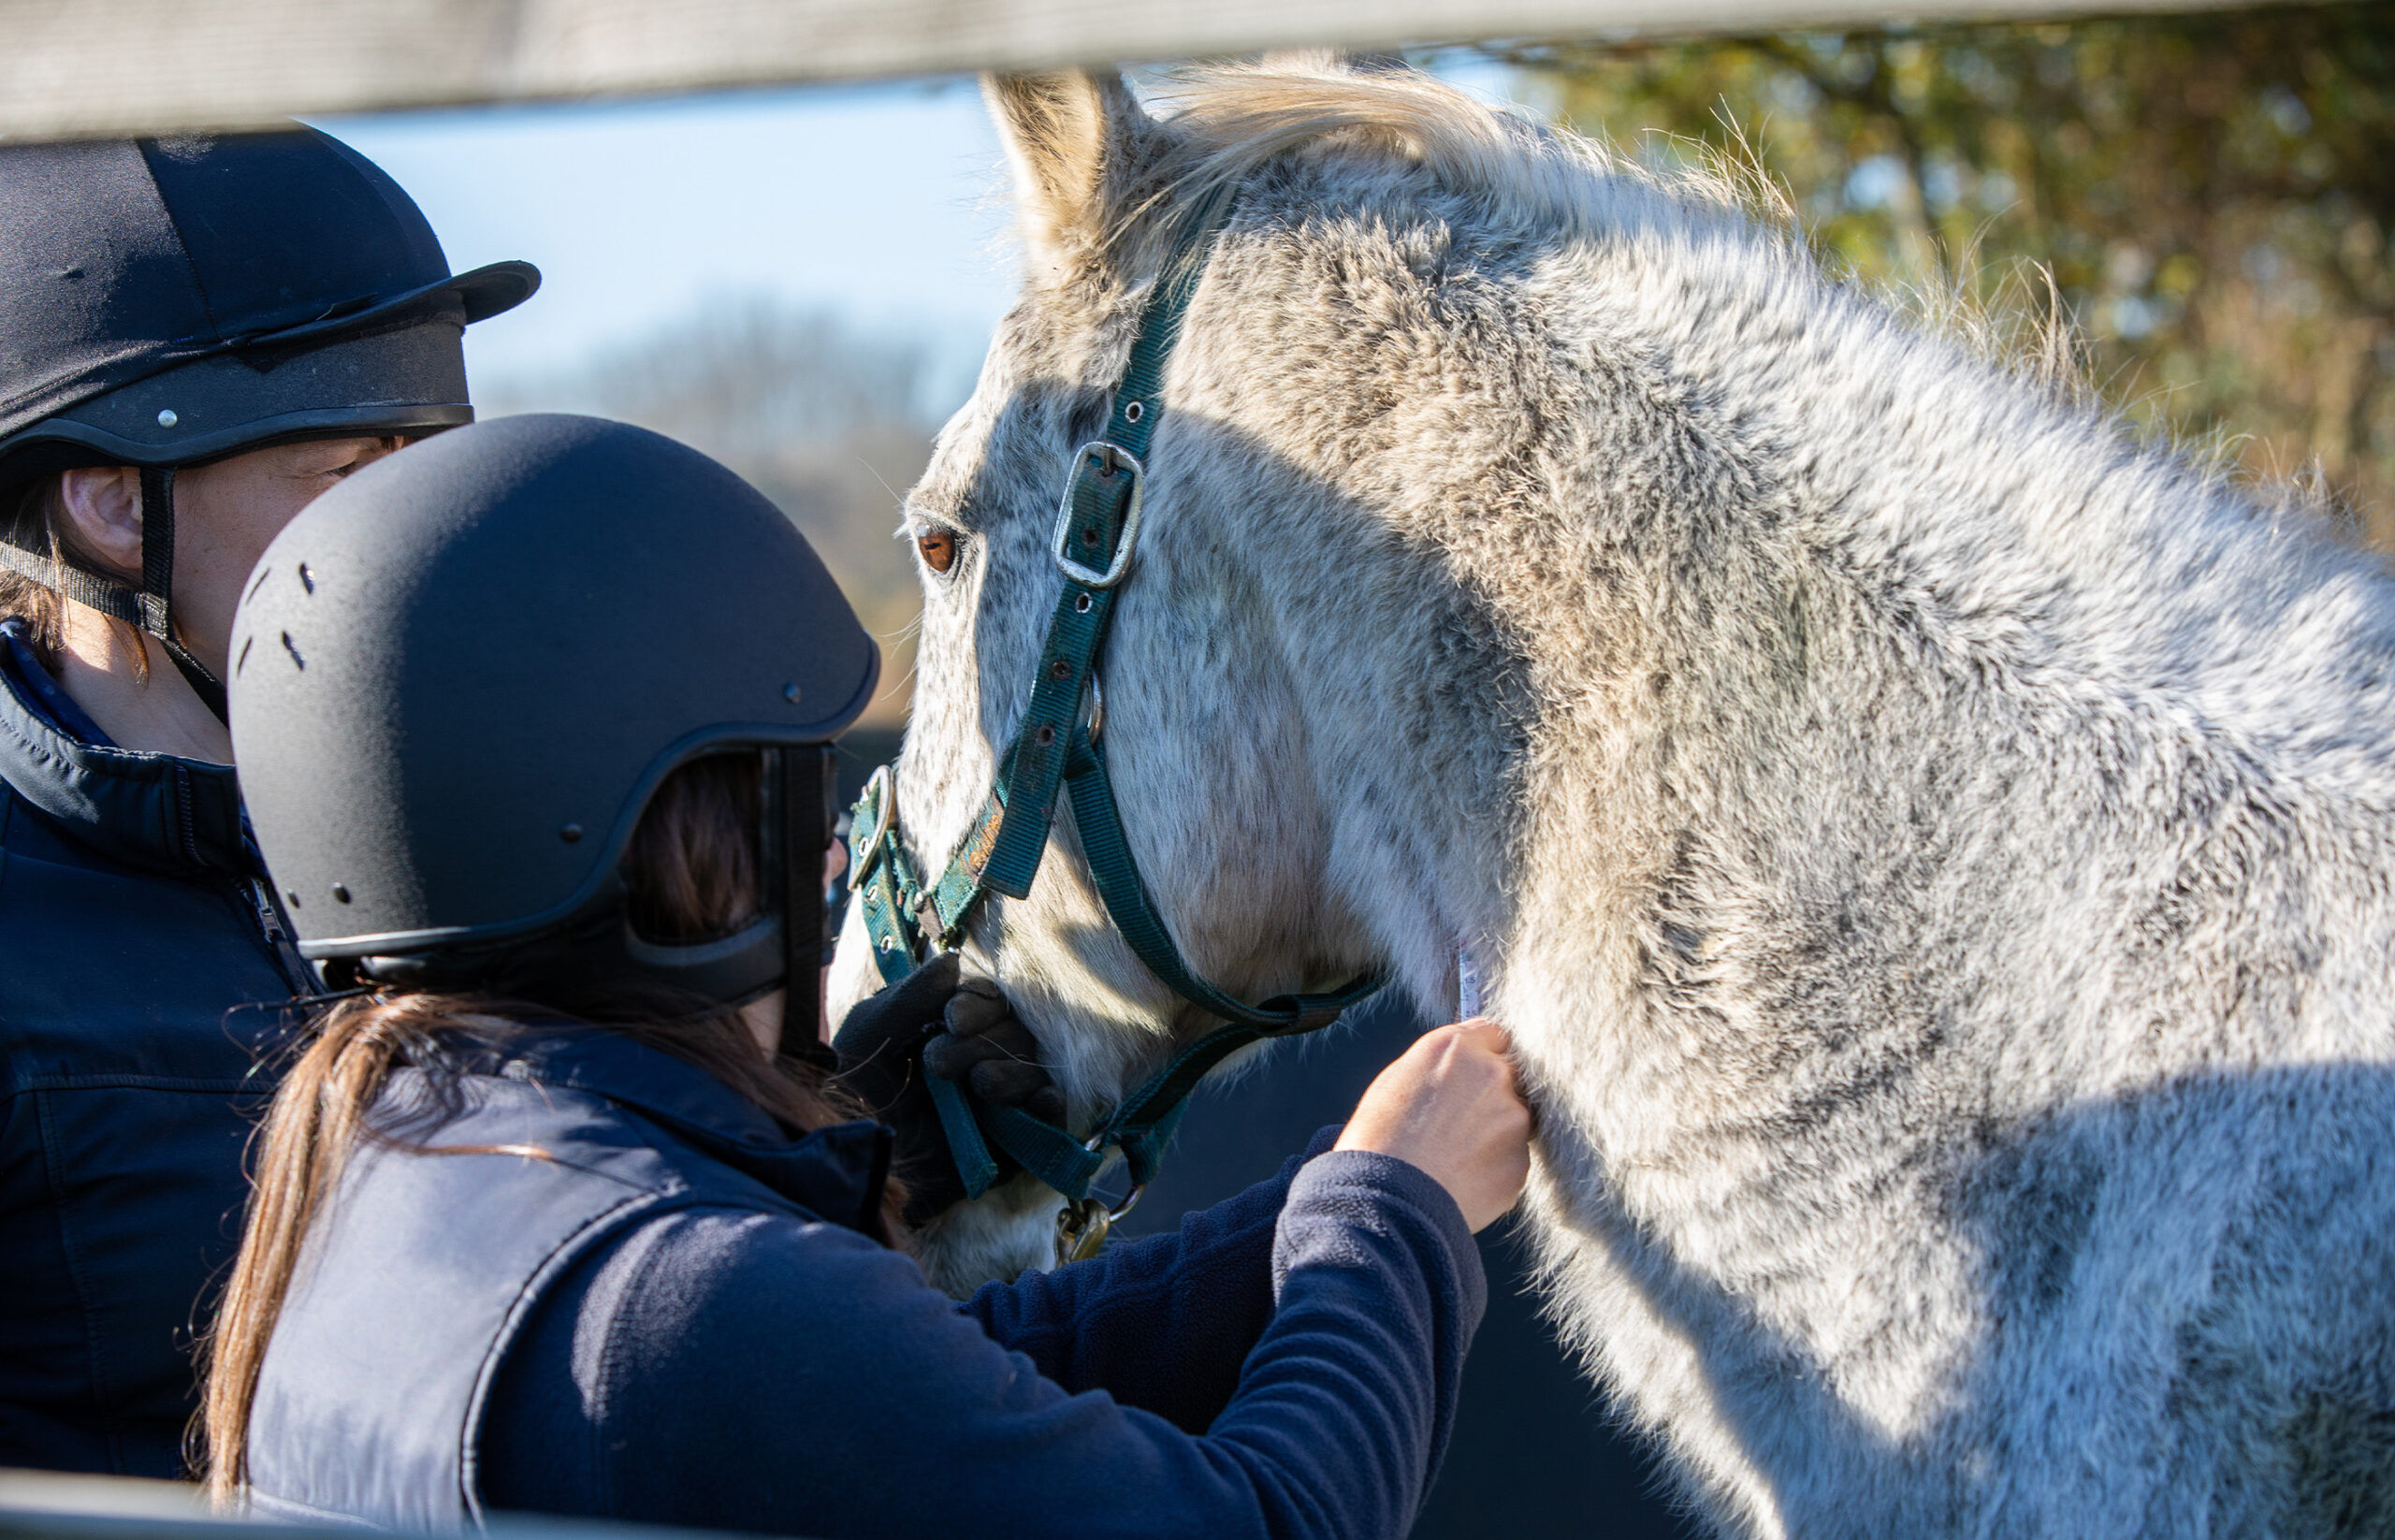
1271,648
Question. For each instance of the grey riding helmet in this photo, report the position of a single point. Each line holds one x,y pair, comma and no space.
166,302
459,677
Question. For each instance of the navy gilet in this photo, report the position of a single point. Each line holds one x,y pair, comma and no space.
371,1399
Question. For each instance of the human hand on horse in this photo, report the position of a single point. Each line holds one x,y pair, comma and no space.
935,1022
1450,1106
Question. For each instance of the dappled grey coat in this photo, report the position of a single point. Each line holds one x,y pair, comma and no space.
1930,848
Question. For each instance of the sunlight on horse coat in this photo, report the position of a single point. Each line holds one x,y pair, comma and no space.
1930,847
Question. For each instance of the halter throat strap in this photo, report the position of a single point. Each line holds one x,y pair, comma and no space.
1093,545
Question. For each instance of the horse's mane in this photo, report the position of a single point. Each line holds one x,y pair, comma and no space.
1233,118
1550,185
1230,118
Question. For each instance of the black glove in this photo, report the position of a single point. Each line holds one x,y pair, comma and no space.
931,1022
994,1054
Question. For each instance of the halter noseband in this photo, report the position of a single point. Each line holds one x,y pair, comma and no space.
1095,535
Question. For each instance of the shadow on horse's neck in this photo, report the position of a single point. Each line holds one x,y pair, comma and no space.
1415,698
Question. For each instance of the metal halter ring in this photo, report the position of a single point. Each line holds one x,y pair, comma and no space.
1131,1198
1113,459
1082,1224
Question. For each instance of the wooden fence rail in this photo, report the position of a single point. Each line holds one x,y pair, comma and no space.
78,68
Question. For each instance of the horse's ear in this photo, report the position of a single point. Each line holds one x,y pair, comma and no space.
1070,135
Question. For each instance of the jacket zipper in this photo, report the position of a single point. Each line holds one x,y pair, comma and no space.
270,916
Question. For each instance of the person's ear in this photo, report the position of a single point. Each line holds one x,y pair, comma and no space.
103,515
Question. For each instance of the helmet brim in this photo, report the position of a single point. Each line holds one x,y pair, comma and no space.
406,379
484,292
100,422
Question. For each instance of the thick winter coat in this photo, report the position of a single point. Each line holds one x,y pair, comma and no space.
1931,848
140,970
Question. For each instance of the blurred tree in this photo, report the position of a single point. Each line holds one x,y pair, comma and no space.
2214,194
831,422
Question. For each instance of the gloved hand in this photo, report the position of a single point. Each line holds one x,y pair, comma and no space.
931,1022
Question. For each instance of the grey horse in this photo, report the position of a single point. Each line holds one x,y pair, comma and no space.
1930,846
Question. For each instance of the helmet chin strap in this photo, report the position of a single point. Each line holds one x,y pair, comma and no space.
159,585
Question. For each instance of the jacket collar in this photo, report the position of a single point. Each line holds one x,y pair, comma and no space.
837,1171
155,811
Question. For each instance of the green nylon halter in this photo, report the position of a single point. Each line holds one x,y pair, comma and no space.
1097,533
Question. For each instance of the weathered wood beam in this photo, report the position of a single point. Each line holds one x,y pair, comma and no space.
76,67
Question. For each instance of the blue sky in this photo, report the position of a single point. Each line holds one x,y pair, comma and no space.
884,203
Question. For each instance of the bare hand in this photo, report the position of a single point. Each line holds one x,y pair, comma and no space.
1450,1108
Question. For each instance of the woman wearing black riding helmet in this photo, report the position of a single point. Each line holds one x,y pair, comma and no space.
196,337
503,1258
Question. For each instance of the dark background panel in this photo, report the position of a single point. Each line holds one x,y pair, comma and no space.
862,748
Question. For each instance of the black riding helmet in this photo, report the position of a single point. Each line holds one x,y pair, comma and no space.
166,302
459,677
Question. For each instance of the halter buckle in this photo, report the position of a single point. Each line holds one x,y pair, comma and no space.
882,795
1112,460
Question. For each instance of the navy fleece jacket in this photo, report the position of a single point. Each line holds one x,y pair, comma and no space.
1285,1365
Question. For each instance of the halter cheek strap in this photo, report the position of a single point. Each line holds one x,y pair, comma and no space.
1054,751
151,606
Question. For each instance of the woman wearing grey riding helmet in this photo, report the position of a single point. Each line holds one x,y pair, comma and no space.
196,337
540,1222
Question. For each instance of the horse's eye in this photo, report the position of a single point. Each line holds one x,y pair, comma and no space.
938,550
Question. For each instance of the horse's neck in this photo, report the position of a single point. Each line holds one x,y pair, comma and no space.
1742,689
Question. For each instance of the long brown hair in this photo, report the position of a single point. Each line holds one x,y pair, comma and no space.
691,873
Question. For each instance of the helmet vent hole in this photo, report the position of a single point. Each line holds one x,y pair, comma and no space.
570,833
341,893
244,661
292,647
307,578
790,693
291,896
